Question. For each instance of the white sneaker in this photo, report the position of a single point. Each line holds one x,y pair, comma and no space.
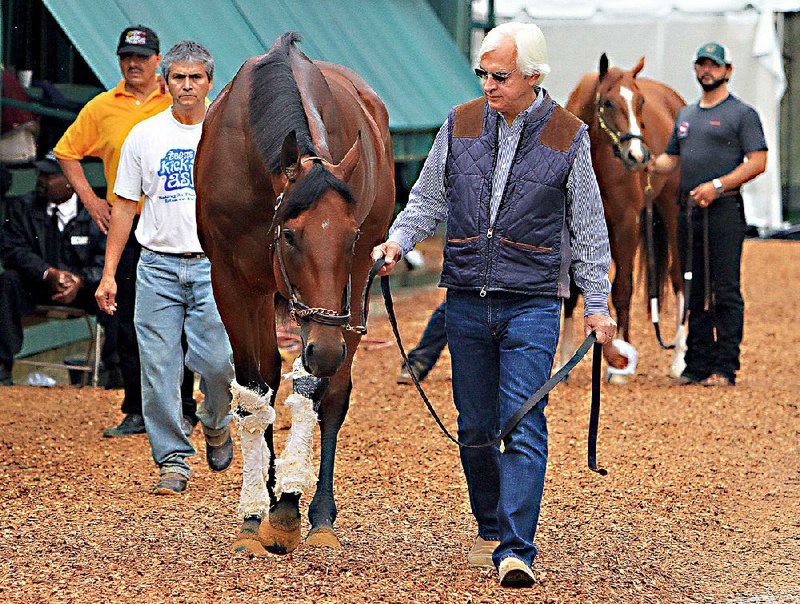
515,573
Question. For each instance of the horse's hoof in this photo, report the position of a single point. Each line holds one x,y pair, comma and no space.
248,546
616,378
247,541
279,537
323,536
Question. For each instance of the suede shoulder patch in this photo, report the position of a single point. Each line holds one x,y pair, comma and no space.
468,121
560,130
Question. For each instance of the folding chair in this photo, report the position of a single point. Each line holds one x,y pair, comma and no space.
92,365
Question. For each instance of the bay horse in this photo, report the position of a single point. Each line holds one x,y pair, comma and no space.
630,120
295,186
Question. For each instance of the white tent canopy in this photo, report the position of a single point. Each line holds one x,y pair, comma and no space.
667,34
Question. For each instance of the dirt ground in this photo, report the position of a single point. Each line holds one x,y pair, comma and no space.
700,504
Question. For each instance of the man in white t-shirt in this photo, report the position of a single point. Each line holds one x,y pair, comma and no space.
173,279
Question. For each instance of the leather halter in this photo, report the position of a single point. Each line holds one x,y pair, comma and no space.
617,137
297,309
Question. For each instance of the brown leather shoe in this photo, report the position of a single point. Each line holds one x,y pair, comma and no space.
170,483
515,573
481,553
717,379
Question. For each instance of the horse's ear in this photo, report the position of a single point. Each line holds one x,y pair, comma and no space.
603,65
290,156
344,169
639,66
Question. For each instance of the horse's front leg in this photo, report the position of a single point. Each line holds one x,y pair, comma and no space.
294,469
332,411
249,321
624,240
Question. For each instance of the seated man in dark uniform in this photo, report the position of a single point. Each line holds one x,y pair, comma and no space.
52,253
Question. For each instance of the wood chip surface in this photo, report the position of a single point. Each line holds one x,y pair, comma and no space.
700,504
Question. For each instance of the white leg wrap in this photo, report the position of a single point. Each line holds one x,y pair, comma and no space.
254,498
679,360
294,468
627,350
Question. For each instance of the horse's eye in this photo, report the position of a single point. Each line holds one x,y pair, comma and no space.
288,236
608,104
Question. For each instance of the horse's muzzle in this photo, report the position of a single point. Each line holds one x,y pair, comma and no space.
322,357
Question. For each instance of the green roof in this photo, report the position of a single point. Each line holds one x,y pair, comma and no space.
398,46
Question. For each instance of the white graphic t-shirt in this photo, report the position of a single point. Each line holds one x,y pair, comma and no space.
157,159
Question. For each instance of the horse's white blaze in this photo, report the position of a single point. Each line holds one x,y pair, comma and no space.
254,498
325,224
636,148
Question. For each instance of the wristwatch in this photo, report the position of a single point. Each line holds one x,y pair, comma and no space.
718,186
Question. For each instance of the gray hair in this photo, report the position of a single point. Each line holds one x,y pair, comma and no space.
188,51
530,43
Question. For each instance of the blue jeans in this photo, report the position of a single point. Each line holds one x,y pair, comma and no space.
502,348
173,296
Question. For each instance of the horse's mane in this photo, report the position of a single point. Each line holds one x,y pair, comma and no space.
275,110
275,105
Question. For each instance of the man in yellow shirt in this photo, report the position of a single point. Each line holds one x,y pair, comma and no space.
99,131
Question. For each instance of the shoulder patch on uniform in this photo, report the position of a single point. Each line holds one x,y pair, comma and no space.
560,130
468,121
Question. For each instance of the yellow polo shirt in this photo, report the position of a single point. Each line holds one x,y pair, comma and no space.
102,125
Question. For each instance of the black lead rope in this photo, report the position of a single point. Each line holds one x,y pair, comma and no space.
537,396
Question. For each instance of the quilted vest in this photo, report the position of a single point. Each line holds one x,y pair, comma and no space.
527,250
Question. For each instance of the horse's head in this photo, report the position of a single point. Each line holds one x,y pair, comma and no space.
315,234
618,105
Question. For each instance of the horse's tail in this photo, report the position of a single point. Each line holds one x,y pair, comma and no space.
660,255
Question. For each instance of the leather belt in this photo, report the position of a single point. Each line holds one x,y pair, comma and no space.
195,255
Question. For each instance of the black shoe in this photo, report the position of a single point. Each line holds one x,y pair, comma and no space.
404,377
187,425
133,423
219,456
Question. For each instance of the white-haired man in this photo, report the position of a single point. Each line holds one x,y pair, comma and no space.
511,174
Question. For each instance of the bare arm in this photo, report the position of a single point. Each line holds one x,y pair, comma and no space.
122,215
98,208
663,164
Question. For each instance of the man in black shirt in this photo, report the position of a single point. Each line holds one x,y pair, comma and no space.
719,145
52,252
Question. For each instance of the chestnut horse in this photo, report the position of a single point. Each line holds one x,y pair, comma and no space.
630,120
295,186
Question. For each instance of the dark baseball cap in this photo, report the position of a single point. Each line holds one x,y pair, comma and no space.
138,40
714,51
48,164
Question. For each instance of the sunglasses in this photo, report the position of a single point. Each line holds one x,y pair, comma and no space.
498,76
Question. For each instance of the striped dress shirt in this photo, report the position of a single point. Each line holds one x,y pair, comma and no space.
591,255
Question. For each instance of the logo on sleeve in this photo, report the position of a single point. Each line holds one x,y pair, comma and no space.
176,168
683,130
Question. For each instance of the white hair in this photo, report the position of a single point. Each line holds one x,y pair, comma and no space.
530,43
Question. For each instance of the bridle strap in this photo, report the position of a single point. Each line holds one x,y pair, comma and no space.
617,138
